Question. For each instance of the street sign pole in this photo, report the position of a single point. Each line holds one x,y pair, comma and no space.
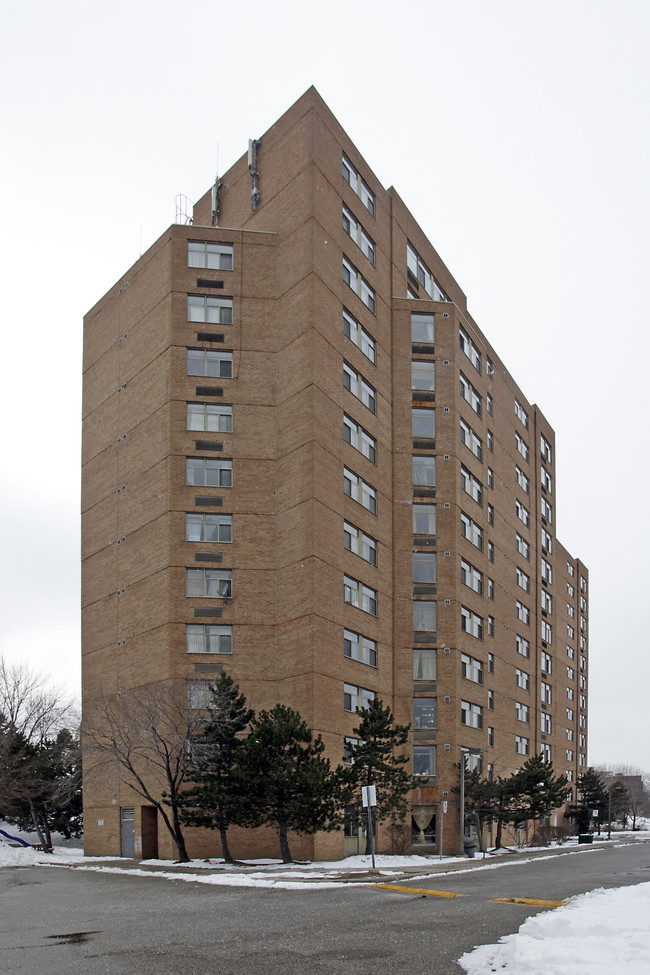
443,810
369,799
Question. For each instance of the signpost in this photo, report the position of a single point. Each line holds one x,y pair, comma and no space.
369,799
443,810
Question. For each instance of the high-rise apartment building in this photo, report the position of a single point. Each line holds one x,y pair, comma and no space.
304,464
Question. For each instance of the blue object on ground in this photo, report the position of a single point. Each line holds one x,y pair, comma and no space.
16,839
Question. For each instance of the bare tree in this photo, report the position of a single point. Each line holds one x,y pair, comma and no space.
32,714
145,736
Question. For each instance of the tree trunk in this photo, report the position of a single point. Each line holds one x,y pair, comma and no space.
497,841
37,827
179,839
284,845
47,833
225,849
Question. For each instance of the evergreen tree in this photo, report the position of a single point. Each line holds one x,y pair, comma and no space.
375,760
538,790
219,792
592,796
620,802
291,786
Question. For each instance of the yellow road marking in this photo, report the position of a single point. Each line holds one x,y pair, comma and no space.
525,900
418,890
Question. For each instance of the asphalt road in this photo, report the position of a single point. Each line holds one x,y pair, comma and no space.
61,921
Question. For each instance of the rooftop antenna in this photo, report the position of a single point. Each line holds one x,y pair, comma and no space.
184,209
253,146
214,217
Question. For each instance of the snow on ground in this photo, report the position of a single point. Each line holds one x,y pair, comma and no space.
604,931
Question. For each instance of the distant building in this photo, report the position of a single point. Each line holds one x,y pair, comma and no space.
304,464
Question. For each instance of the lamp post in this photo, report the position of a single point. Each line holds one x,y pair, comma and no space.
463,753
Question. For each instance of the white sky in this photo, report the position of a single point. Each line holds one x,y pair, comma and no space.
517,133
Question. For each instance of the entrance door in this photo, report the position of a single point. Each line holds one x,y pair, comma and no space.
128,831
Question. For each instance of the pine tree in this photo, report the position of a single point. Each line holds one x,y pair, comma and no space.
291,786
538,789
376,761
218,795
592,796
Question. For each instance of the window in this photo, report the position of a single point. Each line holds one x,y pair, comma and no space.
570,652
523,646
523,679
471,485
490,441
424,471
471,623
569,714
422,274
547,571
209,254
523,580
522,745
583,604
490,552
521,413
570,610
570,569
569,734
547,632
208,639
490,588
360,439
211,583
570,590
359,647
356,698
205,362
569,754
423,375
570,673
471,531
490,513
583,584
545,449
470,439
490,737
490,477
522,546
424,664
470,395
354,230
547,541
521,446
547,662
546,601
424,616
424,519
471,668
490,700
570,693
358,542
570,631
472,577
471,714
545,723
490,663
357,489
522,712
490,625
470,350
424,712
359,595
357,334
424,567
546,479
523,613
422,328
522,512
547,510
208,528
197,694
546,693
423,423
359,285
209,310
209,417
522,480
424,760
208,472
351,176
359,387
489,366
489,403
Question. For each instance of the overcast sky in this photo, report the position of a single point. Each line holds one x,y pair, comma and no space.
516,132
